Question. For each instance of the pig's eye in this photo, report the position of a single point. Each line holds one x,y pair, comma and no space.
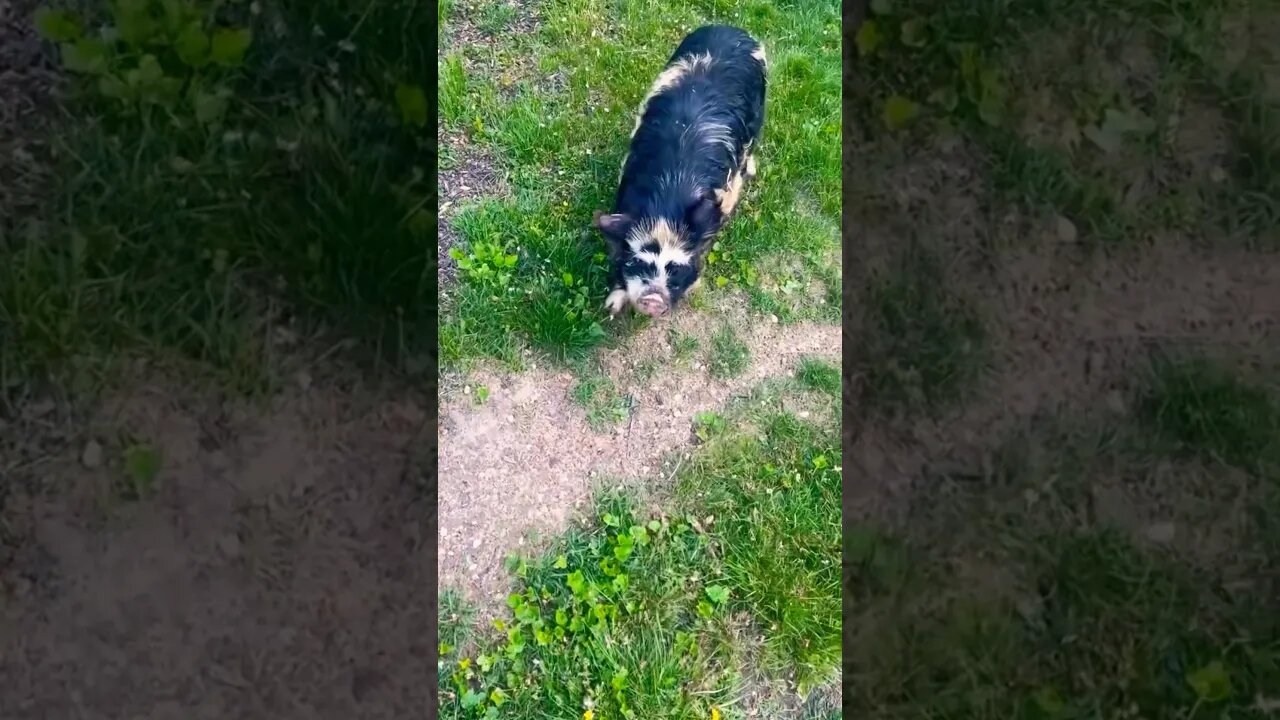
639,266
679,275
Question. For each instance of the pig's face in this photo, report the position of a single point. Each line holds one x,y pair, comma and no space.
656,262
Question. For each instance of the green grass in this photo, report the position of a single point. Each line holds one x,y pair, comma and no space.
656,615
1093,627
1040,91
305,192
1203,408
728,356
785,567
646,370
820,376
456,621
561,145
600,398
683,345
1011,595
925,345
496,17
1254,205
1117,560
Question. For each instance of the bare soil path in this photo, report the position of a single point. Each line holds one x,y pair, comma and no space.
275,566
515,468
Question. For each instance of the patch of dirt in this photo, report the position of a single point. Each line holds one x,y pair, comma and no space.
1062,67
1205,522
766,696
1073,327
497,53
522,462
473,174
1248,36
1070,330
28,83
466,24
280,568
1202,138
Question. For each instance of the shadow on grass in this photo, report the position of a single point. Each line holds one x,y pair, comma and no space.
205,201
1097,569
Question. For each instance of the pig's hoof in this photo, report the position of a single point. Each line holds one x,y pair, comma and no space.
616,301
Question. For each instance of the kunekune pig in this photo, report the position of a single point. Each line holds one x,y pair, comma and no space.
691,154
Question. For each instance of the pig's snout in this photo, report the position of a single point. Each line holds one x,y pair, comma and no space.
652,305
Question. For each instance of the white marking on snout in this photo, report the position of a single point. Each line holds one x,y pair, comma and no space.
670,253
658,231
636,289
665,256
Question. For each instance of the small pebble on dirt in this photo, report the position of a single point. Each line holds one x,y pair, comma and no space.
40,408
92,455
229,545
1065,229
1161,533
363,682
22,587
1096,362
1115,402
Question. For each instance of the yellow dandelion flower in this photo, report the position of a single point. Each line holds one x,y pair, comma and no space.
715,713
589,714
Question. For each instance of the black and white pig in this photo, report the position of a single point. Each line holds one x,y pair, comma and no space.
691,153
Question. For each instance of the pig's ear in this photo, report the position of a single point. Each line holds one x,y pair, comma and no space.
703,220
614,227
